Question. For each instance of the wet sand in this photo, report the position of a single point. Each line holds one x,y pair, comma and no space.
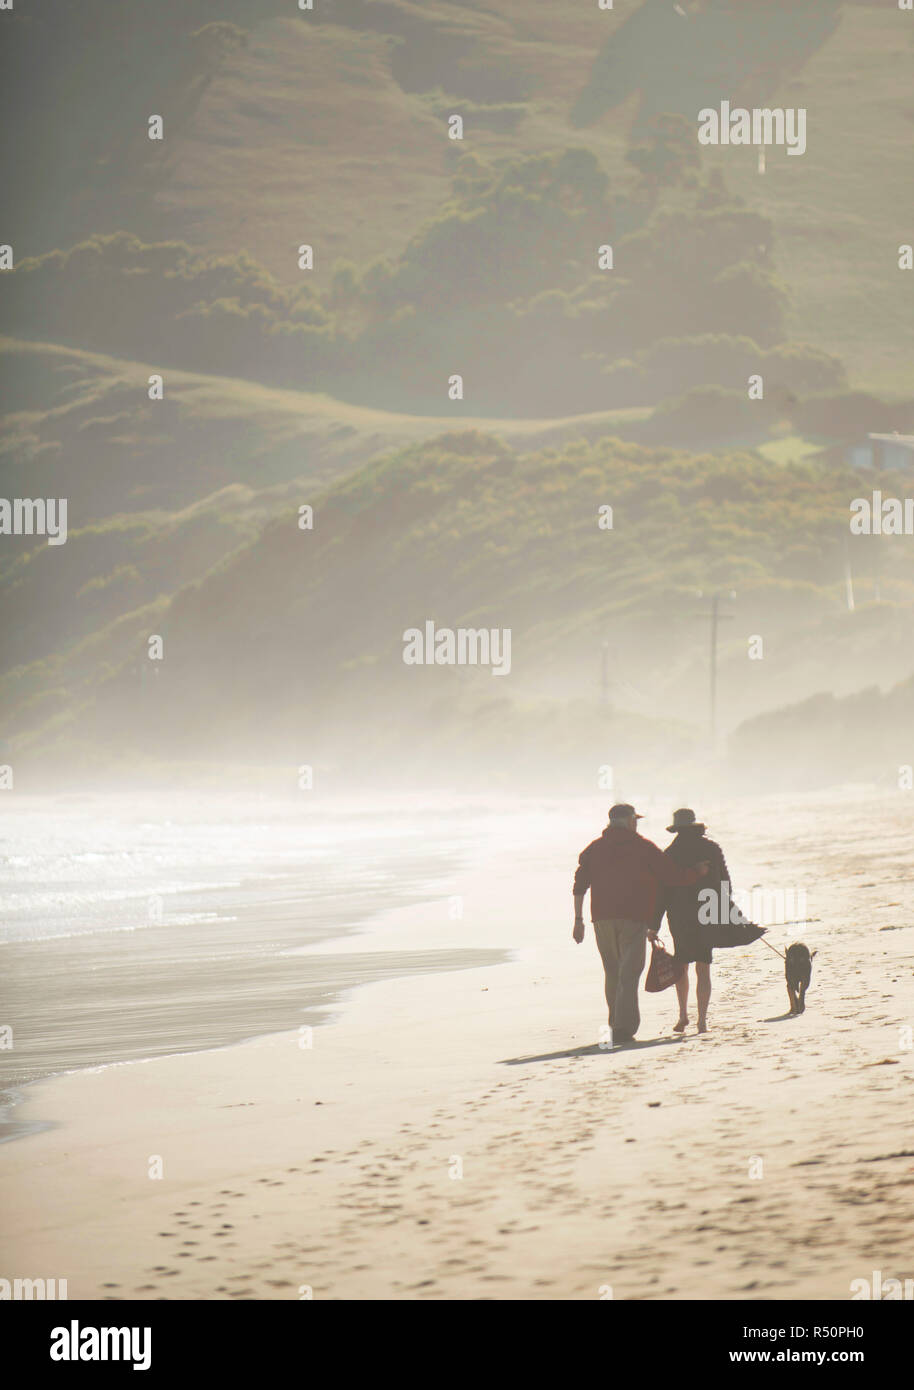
132,929
464,1136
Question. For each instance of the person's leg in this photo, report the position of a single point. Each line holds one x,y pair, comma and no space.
703,991
632,940
609,954
682,992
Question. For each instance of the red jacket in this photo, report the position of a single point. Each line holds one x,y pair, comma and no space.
624,872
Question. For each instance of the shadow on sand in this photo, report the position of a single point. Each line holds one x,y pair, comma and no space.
779,1018
591,1050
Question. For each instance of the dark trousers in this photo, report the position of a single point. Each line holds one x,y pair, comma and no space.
623,945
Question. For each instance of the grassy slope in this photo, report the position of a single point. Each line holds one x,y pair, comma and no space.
357,159
160,492
862,737
468,532
842,209
83,423
323,132
307,135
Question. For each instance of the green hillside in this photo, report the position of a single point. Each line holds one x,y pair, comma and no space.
498,335
83,421
329,128
160,491
868,737
295,640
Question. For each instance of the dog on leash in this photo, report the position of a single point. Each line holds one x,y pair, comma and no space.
798,970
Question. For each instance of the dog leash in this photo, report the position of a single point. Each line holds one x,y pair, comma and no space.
798,922
772,948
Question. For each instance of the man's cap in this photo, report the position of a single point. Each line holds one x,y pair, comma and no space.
622,811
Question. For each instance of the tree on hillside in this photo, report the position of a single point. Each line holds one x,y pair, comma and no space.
666,152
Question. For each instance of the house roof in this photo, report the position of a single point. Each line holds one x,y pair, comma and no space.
905,440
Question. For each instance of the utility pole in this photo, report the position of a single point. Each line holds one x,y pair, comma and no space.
848,578
877,574
716,617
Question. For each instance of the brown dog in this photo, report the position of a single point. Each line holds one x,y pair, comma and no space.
798,970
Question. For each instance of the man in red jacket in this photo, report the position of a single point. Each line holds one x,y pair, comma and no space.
624,873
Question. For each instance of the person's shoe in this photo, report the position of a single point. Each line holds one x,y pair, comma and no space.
619,1038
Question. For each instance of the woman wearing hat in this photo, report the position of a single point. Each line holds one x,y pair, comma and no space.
681,905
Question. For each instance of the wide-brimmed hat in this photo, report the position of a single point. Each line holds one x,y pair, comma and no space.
622,811
684,819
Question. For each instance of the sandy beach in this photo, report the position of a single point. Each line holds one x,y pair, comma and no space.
463,1135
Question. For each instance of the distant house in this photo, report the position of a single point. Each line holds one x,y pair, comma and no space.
883,451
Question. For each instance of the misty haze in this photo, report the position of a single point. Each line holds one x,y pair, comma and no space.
439,439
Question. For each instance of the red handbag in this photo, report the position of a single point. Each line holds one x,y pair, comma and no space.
664,969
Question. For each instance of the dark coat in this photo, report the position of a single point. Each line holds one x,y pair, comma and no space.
681,905
626,875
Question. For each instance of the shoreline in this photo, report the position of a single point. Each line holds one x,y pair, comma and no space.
396,964
153,938
462,1136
